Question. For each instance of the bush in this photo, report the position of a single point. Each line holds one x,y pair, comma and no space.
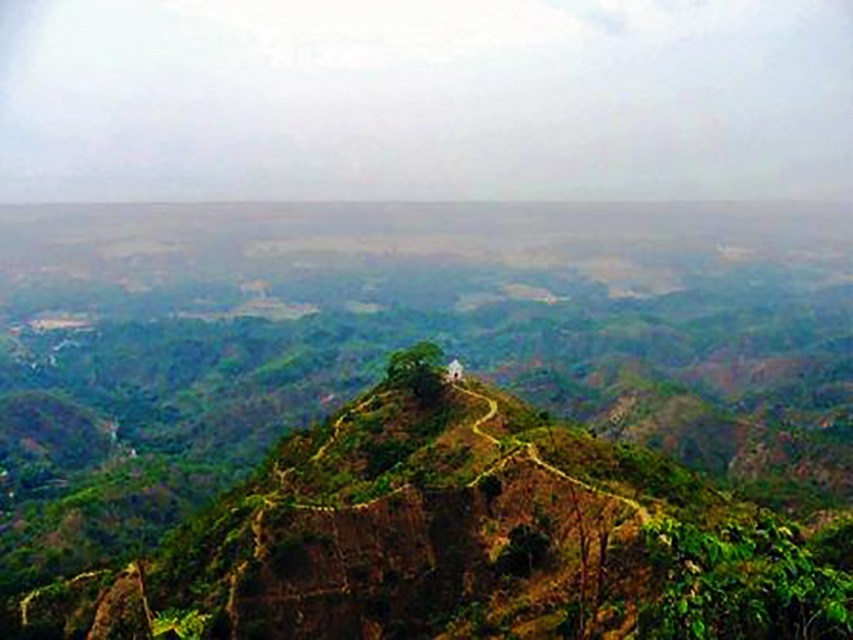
834,545
527,549
491,486
384,455
742,582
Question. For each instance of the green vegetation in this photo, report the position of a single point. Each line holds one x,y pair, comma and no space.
743,581
751,391
721,569
186,625
833,543
106,520
418,369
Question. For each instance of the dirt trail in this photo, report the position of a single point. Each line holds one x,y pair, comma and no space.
138,569
533,453
25,607
336,430
338,425
644,514
493,411
231,606
529,447
27,601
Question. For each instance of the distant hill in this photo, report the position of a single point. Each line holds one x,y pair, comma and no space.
777,441
45,436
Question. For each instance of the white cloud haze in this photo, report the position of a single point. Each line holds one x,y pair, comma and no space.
409,99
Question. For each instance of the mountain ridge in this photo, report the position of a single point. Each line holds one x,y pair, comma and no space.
418,511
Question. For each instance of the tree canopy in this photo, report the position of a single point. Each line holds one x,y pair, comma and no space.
419,370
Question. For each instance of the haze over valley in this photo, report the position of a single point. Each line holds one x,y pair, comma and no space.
505,319
279,260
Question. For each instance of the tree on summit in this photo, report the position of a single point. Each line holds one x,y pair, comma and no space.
418,369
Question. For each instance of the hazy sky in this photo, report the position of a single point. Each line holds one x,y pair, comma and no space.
113,100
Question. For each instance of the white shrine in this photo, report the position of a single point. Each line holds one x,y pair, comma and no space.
454,371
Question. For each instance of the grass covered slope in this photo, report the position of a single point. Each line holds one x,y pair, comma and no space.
425,508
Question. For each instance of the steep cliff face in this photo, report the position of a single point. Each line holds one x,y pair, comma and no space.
459,511
122,611
361,571
398,565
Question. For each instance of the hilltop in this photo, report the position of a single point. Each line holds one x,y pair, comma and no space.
426,508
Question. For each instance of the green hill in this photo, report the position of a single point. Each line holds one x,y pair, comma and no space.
429,510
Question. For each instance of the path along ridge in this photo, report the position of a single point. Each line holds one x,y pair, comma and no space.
533,453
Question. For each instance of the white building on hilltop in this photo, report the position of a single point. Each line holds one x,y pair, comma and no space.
454,371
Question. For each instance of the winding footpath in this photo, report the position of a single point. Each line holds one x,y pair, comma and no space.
256,524
493,411
533,454
27,601
476,427
339,423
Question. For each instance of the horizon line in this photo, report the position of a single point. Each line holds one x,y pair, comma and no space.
264,201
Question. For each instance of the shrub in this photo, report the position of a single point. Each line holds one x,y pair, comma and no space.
526,550
491,486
